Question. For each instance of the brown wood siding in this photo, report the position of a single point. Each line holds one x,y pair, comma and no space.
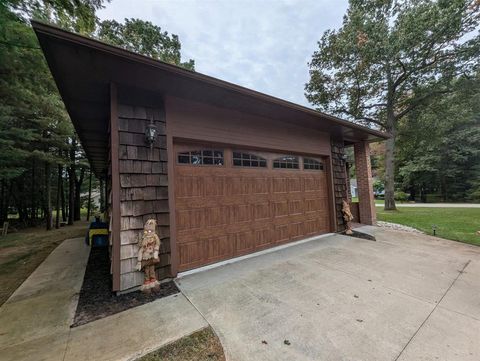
339,180
192,120
227,211
143,188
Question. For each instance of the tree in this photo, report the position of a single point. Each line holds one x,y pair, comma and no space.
58,203
145,38
439,145
74,15
388,58
33,122
41,162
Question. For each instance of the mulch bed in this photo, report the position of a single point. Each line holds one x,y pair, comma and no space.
96,299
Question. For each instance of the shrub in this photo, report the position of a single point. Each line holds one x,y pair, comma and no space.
400,196
378,187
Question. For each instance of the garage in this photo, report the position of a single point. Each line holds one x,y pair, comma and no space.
231,201
224,170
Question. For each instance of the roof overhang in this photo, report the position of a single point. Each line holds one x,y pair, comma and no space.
84,68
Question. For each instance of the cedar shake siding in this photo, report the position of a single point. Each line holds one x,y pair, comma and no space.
339,180
143,189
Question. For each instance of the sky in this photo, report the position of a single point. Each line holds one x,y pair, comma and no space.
264,45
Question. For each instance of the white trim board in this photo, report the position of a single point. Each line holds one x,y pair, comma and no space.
250,255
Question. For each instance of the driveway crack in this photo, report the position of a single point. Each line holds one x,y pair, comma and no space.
194,306
433,310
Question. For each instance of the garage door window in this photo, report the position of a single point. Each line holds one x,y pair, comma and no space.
286,162
241,159
201,157
312,164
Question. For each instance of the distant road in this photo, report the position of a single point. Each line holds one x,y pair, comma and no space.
435,205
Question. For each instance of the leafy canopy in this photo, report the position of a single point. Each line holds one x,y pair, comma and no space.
145,38
33,119
74,15
391,56
439,145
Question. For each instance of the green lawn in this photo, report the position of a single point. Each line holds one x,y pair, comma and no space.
458,224
202,345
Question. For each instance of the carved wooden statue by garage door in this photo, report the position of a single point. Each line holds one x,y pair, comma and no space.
148,248
347,216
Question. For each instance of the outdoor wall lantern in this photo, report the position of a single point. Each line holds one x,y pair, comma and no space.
151,133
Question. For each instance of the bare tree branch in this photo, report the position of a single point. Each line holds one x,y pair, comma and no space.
373,105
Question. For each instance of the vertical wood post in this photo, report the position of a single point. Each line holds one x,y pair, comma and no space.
171,202
114,150
174,257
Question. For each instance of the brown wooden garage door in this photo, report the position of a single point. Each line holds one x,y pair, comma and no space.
230,202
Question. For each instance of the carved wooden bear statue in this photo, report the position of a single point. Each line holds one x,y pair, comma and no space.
148,248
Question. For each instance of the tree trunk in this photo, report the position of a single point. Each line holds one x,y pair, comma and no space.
102,196
389,164
19,199
67,196
443,187
71,195
62,200
2,202
5,201
89,203
33,195
59,191
412,192
48,197
71,183
423,194
78,189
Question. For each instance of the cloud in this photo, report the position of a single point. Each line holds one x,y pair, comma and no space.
264,45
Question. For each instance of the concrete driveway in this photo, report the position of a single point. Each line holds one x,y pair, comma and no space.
35,321
405,297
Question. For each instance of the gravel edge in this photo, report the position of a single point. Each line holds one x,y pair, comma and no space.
398,227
